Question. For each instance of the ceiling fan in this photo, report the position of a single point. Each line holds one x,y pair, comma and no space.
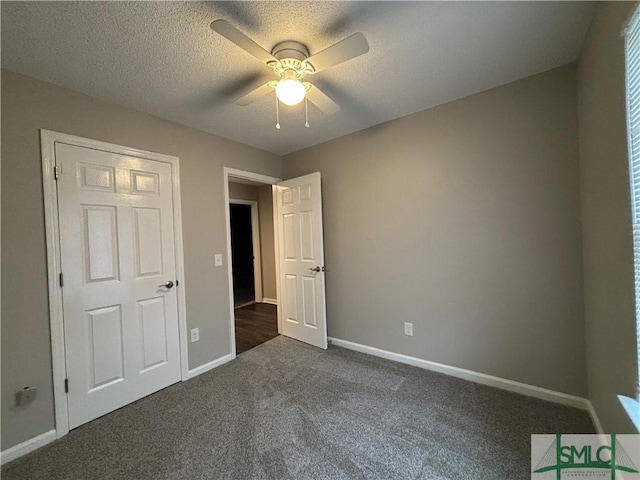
291,62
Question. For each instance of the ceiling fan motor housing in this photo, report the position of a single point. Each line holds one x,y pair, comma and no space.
290,49
291,56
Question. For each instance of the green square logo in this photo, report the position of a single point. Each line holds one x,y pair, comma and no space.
578,457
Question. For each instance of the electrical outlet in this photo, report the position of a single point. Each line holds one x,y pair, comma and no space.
25,396
408,329
218,259
195,334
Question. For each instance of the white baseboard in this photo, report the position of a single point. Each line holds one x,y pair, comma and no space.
477,377
26,447
209,366
594,418
270,301
246,304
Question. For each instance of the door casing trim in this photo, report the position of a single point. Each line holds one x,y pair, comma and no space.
256,177
48,140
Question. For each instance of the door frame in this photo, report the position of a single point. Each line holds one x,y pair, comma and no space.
229,172
48,140
256,246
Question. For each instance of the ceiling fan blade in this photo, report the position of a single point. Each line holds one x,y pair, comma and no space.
234,35
321,100
255,94
342,51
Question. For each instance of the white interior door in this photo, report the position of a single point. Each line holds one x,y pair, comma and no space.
301,260
117,254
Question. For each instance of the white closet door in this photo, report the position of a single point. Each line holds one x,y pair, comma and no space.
118,263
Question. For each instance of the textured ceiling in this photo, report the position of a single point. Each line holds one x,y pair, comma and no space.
162,57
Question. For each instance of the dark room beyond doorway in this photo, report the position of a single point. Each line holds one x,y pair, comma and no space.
242,255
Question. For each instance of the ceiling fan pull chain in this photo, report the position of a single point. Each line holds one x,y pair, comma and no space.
306,112
277,115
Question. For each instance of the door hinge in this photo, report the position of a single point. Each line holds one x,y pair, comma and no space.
57,171
177,283
66,385
61,278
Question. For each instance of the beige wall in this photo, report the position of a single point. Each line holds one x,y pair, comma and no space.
268,250
606,218
263,195
465,220
240,191
29,105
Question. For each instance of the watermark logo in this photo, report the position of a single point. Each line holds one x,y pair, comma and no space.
577,457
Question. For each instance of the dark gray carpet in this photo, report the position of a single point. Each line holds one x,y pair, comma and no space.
288,410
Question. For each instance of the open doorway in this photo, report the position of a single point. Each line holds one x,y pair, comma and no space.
252,262
297,252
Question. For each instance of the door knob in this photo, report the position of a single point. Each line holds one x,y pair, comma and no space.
315,269
169,284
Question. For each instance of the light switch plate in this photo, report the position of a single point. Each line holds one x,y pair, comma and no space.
218,259
195,334
408,329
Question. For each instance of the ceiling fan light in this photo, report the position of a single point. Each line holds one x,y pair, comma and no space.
290,92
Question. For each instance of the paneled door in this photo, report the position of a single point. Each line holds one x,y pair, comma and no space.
119,275
301,260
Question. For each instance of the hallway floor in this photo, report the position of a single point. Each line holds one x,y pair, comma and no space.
255,324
